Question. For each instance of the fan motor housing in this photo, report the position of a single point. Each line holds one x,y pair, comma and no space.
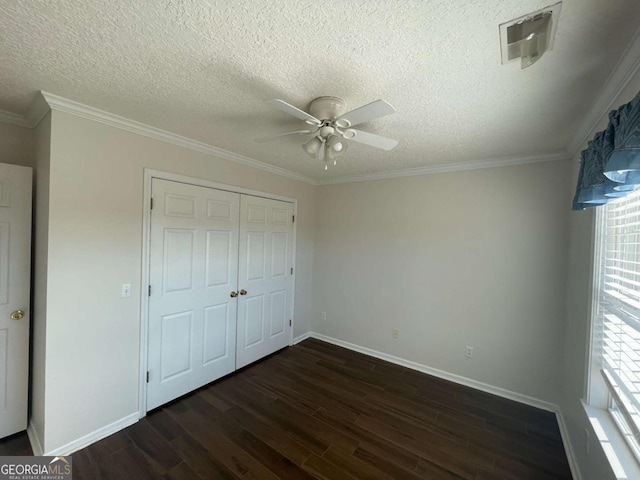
327,108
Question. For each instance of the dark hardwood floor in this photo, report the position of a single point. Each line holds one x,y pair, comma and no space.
319,411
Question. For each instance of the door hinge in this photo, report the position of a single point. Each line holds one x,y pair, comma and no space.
289,322
147,377
151,202
294,219
291,270
149,290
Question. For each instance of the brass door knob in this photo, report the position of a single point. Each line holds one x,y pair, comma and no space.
17,315
243,292
234,294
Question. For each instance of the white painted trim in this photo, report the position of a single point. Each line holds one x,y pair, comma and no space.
85,111
46,101
94,436
37,111
144,296
301,338
448,167
452,377
574,466
606,432
13,119
595,247
620,76
176,177
149,175
34,440
295,272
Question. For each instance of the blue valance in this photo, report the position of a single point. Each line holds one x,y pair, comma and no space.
610,165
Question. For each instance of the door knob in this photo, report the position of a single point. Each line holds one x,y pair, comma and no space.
243,292
234,294
17,315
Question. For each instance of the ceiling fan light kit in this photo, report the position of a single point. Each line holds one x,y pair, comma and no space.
331,127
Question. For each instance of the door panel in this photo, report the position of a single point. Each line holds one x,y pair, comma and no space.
255,256
278,313
176,345
193,269
279,242
15,267
265,259
178,260
216,322
217,258
4,262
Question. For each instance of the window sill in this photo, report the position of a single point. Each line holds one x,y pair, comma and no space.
621,459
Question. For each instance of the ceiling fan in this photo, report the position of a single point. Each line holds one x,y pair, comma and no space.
330,127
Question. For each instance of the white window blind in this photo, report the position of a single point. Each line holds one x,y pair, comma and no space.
617,320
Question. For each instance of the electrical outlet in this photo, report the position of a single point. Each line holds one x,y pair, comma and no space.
587,440
468,352
395,333
324,315
125,292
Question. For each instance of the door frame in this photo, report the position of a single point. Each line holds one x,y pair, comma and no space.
149,175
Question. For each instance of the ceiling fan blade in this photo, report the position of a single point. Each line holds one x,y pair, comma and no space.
291,110
275,138
371,139
368,112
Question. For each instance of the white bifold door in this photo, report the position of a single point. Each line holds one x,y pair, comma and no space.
15,268
264,278
220,294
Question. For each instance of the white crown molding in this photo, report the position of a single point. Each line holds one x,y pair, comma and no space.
620,76
448,167
46,101
69,106
37,110
13,119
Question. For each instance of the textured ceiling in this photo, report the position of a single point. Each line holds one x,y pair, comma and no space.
201,69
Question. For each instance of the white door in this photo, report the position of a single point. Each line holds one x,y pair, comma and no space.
193,271
15,268
265,274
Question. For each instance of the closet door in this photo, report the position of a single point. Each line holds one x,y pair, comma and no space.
193,270
264,278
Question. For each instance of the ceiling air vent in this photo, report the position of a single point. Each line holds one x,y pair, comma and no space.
529,36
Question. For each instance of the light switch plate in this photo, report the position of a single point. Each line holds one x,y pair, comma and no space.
126,290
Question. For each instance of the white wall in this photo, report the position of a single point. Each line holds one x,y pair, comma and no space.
469,258
95,245
17,145
593,465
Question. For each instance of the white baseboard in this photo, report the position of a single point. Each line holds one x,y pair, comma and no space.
300,338
93,437
568,446
34,440
501,392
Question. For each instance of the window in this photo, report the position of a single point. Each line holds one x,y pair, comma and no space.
616,328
